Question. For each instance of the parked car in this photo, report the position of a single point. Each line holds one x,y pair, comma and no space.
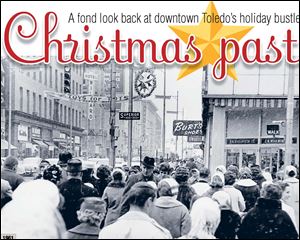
31,165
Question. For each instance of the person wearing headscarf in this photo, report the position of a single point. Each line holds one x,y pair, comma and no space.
33,213
216,184
230,220
185,192
104,177
53,174
206,216
136,223
112,196
248,188
267,220
290,178
91,214
169,212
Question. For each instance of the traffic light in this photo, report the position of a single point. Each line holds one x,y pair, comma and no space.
67,79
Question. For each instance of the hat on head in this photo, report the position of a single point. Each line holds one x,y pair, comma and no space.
74,165
64,157
168,184
148,162
217,180
10,162
93,203
221,168
164,167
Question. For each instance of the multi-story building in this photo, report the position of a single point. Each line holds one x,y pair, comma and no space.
41,117
236,116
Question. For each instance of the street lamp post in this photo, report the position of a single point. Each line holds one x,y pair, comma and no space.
130,109
9,110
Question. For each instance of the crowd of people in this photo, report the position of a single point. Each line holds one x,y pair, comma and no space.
157,201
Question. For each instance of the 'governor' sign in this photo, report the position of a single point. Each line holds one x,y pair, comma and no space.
187,128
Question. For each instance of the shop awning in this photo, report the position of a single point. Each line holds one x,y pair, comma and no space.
40,143
50,144
4,145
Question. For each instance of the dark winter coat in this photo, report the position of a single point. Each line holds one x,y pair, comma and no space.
112,196
172,215
267,221
250,191
185,194
73,191
13,178
139,177
101,184
83,231
229,224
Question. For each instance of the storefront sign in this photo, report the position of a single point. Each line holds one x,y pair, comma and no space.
276,140
194,139
36,132
273,130
242,141
187,128
23,133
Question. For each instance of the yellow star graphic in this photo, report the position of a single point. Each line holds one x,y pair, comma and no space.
208,36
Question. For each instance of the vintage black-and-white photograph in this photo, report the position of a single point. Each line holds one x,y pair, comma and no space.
141,150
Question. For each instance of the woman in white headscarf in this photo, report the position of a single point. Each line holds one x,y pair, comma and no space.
206,217
33,212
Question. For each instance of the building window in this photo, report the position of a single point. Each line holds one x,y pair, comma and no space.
46,76
60,113
73,117
34,103
50,71
76,88
69,115
40,105
79,119
76,118
45,107
80,92
28,101
21,99
56,80
73,87
65,115
61,83
40,76
34,75
50,109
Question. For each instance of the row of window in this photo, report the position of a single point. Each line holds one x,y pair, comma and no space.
51,109
76,88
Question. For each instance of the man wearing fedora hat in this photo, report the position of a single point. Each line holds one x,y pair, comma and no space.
146,175
73,190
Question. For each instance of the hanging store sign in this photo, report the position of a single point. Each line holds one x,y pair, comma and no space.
36,132
129,116
23,133
194,139
108,78
89,76
276,140
187,128
242,141
145,83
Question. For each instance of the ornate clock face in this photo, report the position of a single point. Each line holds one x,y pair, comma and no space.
145,83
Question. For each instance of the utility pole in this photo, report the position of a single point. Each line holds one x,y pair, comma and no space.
9,109
130,109
182,136
176,141
289,117
113,113
164,116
